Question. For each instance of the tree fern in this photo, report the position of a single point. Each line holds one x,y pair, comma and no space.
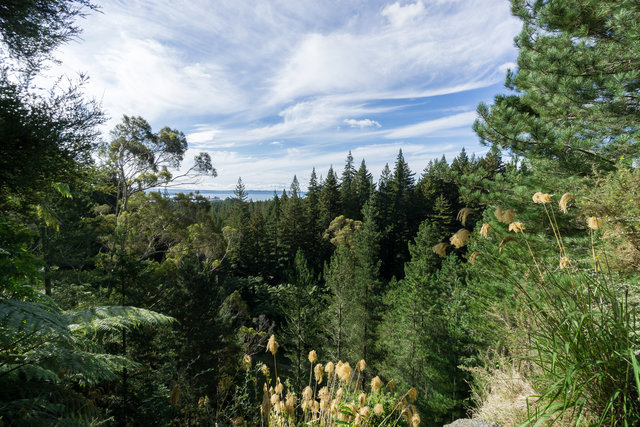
43,348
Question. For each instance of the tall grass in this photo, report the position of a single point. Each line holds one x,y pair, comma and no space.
336,396
582,337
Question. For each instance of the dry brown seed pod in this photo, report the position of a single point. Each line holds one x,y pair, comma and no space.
317,371
516,227
272,345
594,223
541,198
484,231
460,238
378,409
463,214
564,202
376,384
472,258
441,249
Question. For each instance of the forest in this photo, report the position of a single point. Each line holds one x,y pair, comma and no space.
502,286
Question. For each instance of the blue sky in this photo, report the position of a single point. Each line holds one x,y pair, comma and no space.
272,88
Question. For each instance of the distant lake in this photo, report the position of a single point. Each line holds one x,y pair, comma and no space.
255,195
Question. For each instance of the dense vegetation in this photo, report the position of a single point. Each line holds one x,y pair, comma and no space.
508,287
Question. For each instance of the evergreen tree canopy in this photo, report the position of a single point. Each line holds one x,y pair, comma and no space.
576,95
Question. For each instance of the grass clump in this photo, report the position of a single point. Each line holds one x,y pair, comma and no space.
580,342
337,395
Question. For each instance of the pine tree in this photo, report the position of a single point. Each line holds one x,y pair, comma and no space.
301,306
575,92
404,222
367,302
339,279
293,224
329,199
408,302
363,188
272,228
314,229
384,205
424,327
348,200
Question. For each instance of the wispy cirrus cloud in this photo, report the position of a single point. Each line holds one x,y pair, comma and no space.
431,126
295,74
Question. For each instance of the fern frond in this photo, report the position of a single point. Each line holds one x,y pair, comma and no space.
113,319
22,323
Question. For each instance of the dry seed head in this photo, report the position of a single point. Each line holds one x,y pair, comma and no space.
460,238
463,214
498,213
238,421
362,399
516,227
564,201
316,406
266,401
358,420
441,249
541,198
324,394
415,420
391,385
413,394
365,412
317,371
275,399
313,356
339,393
279,387
345,372
272,345
290,405
246,362
265,370
378,409
564,262
484,231
504,242
361,365
329,368
594,223
376,384
307,393
473,256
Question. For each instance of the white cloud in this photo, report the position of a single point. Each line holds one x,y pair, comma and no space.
364,123
241,80
432,126
398,15
202,136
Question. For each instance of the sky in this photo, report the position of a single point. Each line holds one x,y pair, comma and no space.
272,88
